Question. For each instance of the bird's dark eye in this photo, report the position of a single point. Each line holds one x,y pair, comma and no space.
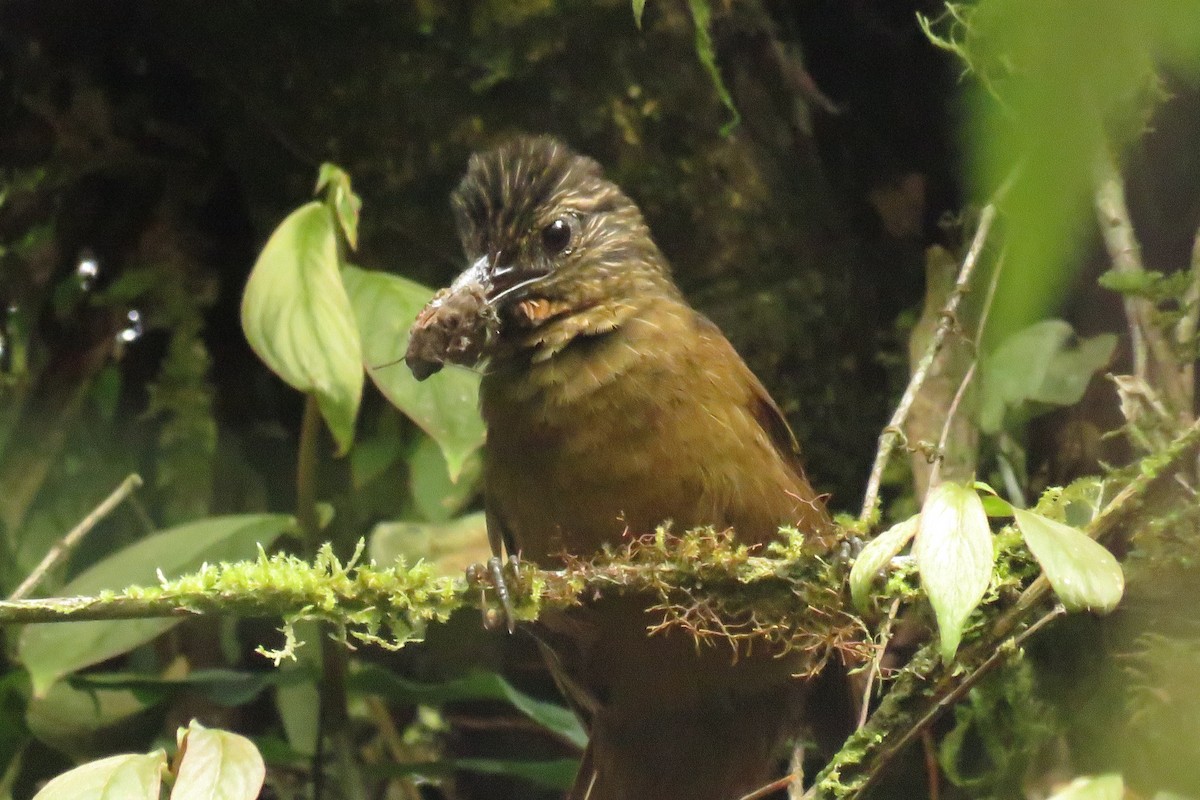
556,236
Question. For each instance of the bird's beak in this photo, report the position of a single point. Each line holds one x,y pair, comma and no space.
498,280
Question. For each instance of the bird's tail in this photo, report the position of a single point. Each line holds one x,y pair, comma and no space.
714,754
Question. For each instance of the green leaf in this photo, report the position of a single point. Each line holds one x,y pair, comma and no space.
449,547
1085,576
124,777
224,687
298,319
876,555
52,650
446,406
217,765
342,199
1092,787
706,52
638,7
557,774
1043,363
298,703
437,497
475,686
954,557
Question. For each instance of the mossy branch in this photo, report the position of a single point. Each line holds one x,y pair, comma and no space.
704,580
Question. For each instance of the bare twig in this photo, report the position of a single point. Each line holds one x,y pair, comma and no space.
873,670
932,772
773,786
887,441
952,411
1153,359
66,544
1185,329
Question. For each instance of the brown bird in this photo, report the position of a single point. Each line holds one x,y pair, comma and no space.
612,407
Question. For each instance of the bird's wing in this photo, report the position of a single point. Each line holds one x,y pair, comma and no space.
760,404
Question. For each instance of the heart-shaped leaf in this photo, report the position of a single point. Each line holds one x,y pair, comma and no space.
954,556
217,765
298,319
131,776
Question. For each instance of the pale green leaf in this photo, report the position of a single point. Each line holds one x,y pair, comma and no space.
341,197
124,777
446,405
218,765
1092,787
954,556
1043,363
449,547
1085,576
876,555
297,317
52,650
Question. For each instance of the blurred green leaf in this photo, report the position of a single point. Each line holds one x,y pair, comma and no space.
297,317
224,687
1085,576
475,686
876,555
298,703
124,777
954,555
639,6
1092,787
557,774
13,731
1058,82
217,765
439,498
446,406
52,650
450,546
706,52
1044,363
71,720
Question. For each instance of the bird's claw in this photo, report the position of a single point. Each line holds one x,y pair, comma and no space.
504,579
848,549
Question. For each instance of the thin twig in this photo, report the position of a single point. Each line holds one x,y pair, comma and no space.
887,441
1153,359
964,384
66,544
773,786
1185,329
932,772
885,632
